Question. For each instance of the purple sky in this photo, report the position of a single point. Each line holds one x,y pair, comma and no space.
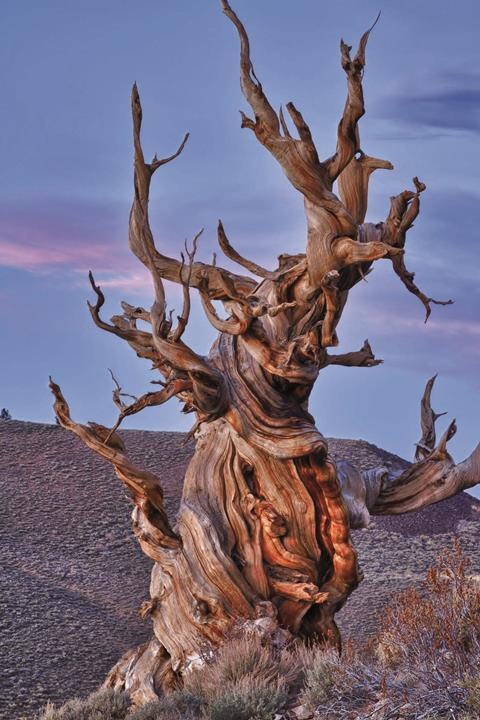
66,177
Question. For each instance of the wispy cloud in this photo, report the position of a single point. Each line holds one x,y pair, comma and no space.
32,257
40,239
457,329
448,101
136,282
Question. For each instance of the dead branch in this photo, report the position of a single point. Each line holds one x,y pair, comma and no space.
331,239
144,487
175,387
353,183
404,209
140,235
183,318
432,478
330,293
359,358
232,254
347,135
428,418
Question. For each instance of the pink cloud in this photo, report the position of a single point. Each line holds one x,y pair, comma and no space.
69,236
137,282
34,257
72,239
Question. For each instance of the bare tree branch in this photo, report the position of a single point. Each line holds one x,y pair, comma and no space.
175,386
428,418
183,318
140,235
359,358
144,487
404,210
353,183
332,231
348,142
232,254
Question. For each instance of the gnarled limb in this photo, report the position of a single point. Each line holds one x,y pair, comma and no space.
232,254
428,418
353,183
432,478
139,340
406,277
143,485
331,241
331,295
183,318
347,134
404,210
175,387
140,235
358,358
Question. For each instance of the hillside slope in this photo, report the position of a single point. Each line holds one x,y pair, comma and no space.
73,577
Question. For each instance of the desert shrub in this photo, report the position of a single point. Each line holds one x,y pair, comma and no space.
101,705
246,679
180,705
247,700
320,678
335,687
429,639
471,683
440,622
424,664
245,657
426,659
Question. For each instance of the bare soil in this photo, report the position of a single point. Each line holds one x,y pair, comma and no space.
72,576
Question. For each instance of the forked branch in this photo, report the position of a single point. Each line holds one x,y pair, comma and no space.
404,209
347,135
432,478
140,235
174,387
144,486
428,418
332,230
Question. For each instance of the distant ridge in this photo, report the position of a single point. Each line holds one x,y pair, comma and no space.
65,562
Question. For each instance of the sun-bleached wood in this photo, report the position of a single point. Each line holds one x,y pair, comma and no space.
263,532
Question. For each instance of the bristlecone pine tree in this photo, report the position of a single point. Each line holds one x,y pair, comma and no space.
262,538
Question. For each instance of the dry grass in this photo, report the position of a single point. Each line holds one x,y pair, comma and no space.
102,705
247,679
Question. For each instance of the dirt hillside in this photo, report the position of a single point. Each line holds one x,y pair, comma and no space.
72,576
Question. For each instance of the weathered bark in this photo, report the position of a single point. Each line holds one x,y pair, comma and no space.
262,537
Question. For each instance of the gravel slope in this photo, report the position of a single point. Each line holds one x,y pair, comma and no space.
72,577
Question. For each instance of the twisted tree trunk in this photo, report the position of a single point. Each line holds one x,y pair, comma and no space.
262,538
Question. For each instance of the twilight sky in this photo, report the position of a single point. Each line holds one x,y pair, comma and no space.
66,178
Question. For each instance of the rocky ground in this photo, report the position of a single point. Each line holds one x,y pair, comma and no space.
72,577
